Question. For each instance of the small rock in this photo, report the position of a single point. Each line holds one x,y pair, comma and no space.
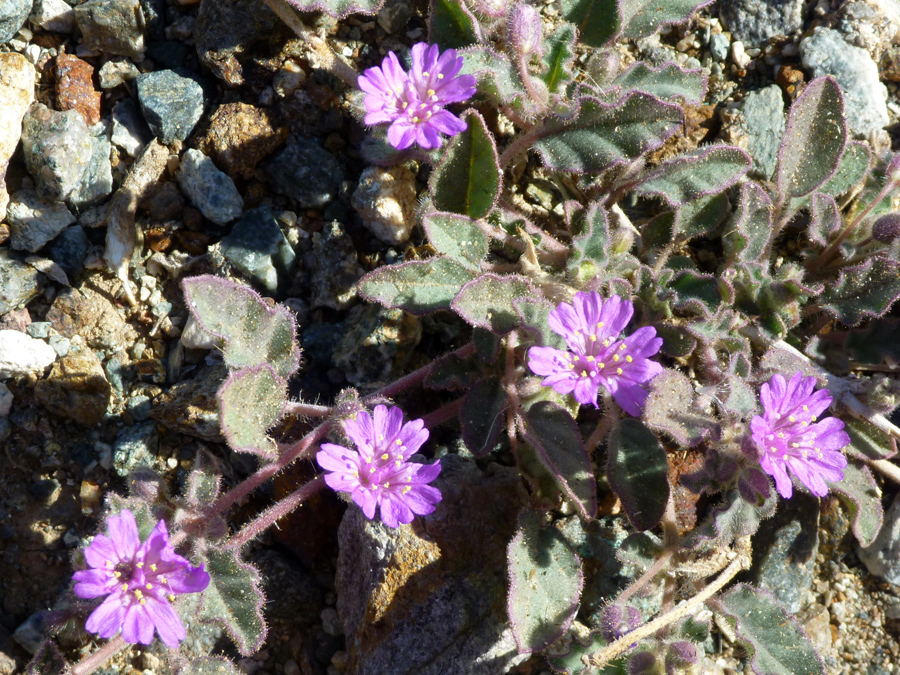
386,201
129,131
96,183
22,355
335,268
30,634
113,26
817,624
195,337
15,319
135,447
754,22
18,283
239,136
13,14
882,556
60,344
6,400
34,222
865,97
172,103
16,94
139,407
117,71
69,250
75,87
739,57
58,150
76,388
718,46
191,407
869,24
762,120
210,190
257,247
306,173
39,330
55,16
394,15
165,204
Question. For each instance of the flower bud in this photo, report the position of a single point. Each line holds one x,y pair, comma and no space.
492,8
887,228
616,621
643,663
525,29
680,656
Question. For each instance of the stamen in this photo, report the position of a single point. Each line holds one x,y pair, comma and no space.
124,587
593,338
623,346
806,408
791,418
629,359
143,602
407,489
618,371
149,586
795,445
163,581
387,485
601,365
171,597
414,120
398,442
440,76
590,359
380,437
385,456
152,567
139,565
605,343
425,74
404,105
616,358
599,324
431,92
780,435
372,470
117,574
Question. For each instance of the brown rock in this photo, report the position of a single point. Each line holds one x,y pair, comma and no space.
191,407
75,87
76,388
239,137
4,232
890,65
89,311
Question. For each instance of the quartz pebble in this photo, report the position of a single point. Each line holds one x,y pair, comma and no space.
23,355
17,78
34,221
55,16
386,201
209,189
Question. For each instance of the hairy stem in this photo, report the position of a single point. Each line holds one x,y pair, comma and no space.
519,145
600,432
90,663
443,414
415,377
300,409
512,394
658,566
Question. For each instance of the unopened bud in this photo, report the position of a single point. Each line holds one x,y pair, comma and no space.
680,656
525,29
643,663
887,228
492,8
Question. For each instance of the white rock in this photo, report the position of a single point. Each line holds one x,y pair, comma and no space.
16,94
23,355
386,201
195,337
740,57
55,16
6,399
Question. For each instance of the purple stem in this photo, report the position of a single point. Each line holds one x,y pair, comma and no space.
443,414
90,663
415,377
300,409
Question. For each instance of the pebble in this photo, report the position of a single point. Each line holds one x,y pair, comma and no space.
23,355
116,27
135,447
305,172
17,78
34,222
129,131
75,87
826,53
30,633
172,103
19,283
209,189
764,123
55,16
718,46
386,201
739,57
335,268
13,14
40,330
6,400
882,556
69,250
60,344
257,247
240,136
117,71
76,388
755,22
139,408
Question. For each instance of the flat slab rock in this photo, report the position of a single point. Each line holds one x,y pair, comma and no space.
429,598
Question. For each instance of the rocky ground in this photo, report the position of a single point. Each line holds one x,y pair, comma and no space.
260,178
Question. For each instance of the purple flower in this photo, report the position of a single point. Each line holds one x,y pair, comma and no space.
787,437
380,473
596,357
140,581
412,103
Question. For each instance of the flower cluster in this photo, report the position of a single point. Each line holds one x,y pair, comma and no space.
413,103
596,357
786,438
139,580
379,473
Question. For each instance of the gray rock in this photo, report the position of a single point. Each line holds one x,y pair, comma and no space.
139,407
19,283
394,15
96,182
436,586
116,71
34,222
826,53
13,14
882,556
172,103
764,124
17,77
718,46
30,633
22,355
113,26
6,400
754,22
134,447
58,148
306,173
60,344
258,248
39,330
53,15
209,189
129,131
335,268
69,250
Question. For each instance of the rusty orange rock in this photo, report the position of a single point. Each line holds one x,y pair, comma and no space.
75,87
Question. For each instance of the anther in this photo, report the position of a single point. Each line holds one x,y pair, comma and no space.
407,489
139,565
431,92
387,485
593,338
153,567
398,442
404,105
616,358
590,359
440,76
618,371
171,597
629,359
601,365
149,586
606,342
385,456
124,587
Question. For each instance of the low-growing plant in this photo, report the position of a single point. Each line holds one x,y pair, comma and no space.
668,301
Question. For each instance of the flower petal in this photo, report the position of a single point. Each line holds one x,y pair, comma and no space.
168,624
107,619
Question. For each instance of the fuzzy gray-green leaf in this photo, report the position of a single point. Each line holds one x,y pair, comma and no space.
534,313
703,172
487,301
861,496
481,416
862,291
209,665
669,81
668,409
600,135
234,599
642,18
825,219
597,20
418,286
338,8
452,25
751,231
636,469
48,660
496,77
251,402
457,237
559,56
590,246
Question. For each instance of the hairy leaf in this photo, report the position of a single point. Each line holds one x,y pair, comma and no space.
669,409
572,661
48,660
706,171
669,81
234,599
545,582
253,332
452,25
642,18
825,219
418,286
861,496
814,139
487,344
636,469
702,294
481,416
487,301
250,403
203,482
497,78
751,232
851,171
732,519
601,135
640,550
700,216
210,665
774,641
457,237
338,8
453,373
862,291
597,20
553,432
590,247
558,59
533,313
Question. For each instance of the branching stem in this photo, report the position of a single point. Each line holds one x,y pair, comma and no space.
90,663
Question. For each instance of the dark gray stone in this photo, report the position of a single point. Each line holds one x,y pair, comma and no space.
168,53
113,26
135,446
764,124
139,407
39,330
882,556
33,221
335,268
19,283
13,14
209,189
258,248
172,103
129,131
69,250
306,173
754,22
30,633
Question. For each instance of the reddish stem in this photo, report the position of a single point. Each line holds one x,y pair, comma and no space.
90,663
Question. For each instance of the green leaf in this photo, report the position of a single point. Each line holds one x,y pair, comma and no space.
732,519
861,496
209,665
814,139
706,171
487,301
457,237
636,469
851,171
773,640
545,582
642,18
590,247
597,20
496,77
467,179
533,313
669,409
48,660
452,25
418,286
751,231
600,135
862,291
234,599
558,59
669,81
702,294
554,434
338,8
453,373
250,403
203,482
481,416
572,662
254,333
701,216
